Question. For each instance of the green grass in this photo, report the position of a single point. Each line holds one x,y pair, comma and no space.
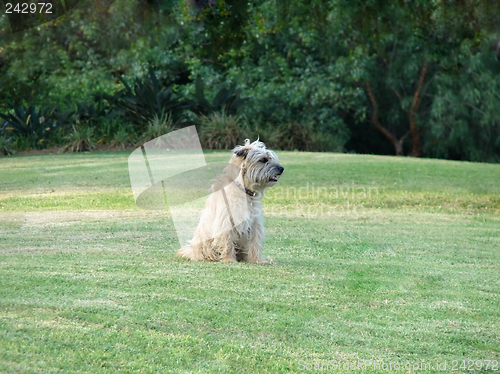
89,282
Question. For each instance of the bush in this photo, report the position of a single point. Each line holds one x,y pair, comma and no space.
222,131
6,147
30,127
294,136
311,96
114,131
121,138
80,139
146,100
158,126
226,99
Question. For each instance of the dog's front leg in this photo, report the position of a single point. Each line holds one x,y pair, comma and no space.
255,244
226,248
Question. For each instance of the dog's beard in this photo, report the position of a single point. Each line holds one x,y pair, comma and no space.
275,174
263,176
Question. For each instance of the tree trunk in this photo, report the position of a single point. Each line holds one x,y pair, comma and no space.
412,114
399,147
397,143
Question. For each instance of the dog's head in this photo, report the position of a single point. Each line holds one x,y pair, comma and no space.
240,152
260,166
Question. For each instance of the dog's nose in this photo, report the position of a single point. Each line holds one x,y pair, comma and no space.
280,169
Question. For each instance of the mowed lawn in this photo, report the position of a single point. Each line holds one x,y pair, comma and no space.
389,259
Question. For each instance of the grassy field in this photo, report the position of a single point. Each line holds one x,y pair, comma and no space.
394,260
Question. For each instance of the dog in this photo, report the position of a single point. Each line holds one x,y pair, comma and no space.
231,226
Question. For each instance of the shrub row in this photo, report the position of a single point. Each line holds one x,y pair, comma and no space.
145,110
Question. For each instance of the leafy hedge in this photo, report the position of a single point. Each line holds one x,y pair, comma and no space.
386,77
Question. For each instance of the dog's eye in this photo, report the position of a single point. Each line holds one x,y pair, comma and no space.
264,160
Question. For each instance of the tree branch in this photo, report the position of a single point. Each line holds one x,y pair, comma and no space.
398,144
412,114
417,97
427,85
408,133
400,99
473,107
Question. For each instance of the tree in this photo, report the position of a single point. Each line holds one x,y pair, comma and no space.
401,47
465,122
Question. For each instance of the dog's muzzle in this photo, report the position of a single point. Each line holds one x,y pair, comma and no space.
276,177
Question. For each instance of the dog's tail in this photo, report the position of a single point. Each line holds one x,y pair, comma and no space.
186,252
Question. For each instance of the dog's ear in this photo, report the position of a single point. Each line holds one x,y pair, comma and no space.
241,152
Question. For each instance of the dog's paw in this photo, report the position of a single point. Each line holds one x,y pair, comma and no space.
230,259
259,261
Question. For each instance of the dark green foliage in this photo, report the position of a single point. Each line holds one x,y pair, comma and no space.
466,109
92,113
214,32
6,147
157,126
64,118
115,131
226,99
97,115
220,130
32,125
400,54
387,77
79,139
305,137
148,99
294,136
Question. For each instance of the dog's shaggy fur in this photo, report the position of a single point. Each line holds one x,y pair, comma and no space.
231,226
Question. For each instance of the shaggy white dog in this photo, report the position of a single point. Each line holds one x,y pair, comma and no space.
231,226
